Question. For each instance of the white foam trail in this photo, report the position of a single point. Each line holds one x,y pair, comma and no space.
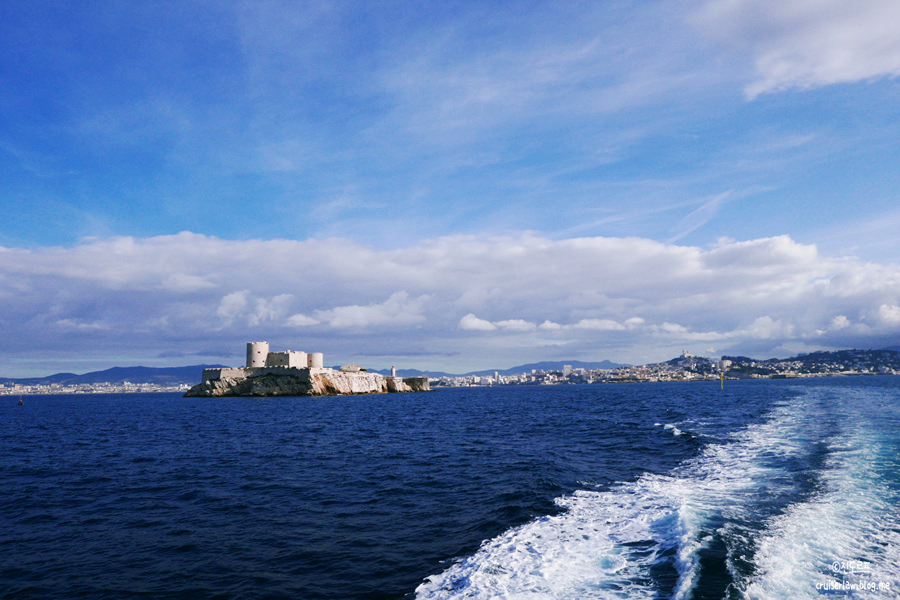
606,543
846,538
582,553
675,430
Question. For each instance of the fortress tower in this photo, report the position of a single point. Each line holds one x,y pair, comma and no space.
257,352
315,360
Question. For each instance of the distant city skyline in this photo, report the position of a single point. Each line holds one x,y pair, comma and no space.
441,187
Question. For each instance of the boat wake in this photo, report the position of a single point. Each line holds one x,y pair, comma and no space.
803,503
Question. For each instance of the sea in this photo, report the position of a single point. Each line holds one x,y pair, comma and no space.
766,489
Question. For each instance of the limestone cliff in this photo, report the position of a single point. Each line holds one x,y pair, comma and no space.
300,382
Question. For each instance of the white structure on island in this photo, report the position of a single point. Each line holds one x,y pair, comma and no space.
261,359
291,373
259,355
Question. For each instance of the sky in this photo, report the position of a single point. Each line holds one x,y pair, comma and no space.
446,186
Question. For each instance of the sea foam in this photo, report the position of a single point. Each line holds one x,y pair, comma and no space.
645,539
846,537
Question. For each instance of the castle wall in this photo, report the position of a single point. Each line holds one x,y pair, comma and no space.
227,373
260,361
297,360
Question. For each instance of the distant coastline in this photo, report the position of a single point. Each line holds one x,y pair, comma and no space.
120,380
687,367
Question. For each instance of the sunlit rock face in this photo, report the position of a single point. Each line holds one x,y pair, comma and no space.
300,382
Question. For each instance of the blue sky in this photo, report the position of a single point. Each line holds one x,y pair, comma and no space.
488,185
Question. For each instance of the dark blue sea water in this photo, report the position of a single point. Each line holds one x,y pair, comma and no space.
768,489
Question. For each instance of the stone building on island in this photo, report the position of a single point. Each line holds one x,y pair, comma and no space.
292,373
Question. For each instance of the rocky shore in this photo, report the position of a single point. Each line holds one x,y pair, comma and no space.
300,382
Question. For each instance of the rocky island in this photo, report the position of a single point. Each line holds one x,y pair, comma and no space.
292,373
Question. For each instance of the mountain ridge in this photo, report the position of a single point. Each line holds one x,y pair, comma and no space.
117,375
191,374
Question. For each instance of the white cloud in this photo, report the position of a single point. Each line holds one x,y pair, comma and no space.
516,325
767,328
399,309
472,323
301,320
75,325
233,306
633,322
808,43
243,306
673,328
181,282
840,322
889,314
598,325
270,309
520,325
472,299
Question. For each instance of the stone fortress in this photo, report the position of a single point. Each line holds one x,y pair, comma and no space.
292,373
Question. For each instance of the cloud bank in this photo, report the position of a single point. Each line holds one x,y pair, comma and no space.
803,44
452,303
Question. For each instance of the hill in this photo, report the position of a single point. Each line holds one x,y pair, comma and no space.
117,375
190,375
556,365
